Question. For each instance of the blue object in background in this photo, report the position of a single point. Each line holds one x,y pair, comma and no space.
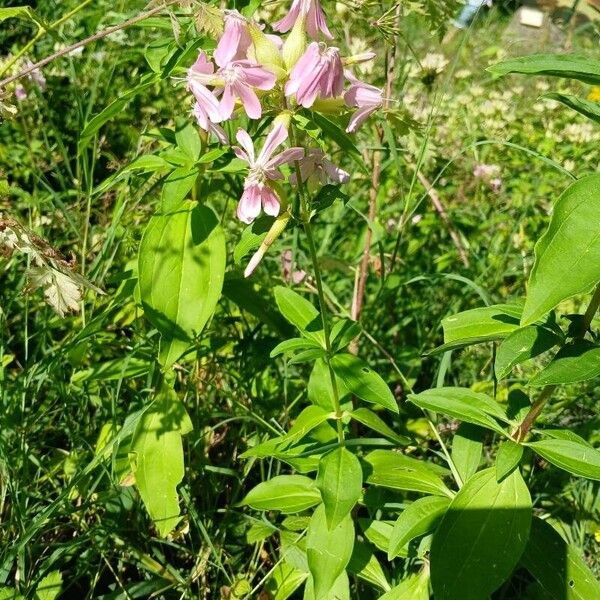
468,13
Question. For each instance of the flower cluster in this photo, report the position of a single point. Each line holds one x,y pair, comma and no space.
261,74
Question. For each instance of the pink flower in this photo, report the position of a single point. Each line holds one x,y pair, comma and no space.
286,268
263,169
311,11
36,76
240,78
199,75
317,74
367,98
315,167
205,123
235,41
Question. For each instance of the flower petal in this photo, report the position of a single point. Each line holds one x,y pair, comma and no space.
246,143
276,137
249,205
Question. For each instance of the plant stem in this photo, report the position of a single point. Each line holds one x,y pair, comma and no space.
97,36
538,405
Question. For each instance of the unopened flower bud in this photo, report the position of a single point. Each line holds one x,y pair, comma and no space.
295,45
284,118
356,59
276,230
265,52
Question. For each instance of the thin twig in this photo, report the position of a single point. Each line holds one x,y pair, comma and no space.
97,36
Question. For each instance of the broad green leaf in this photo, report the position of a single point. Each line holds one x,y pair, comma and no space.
119,368
252,237
176,187
558,567
340,482
479,325
364,565
284,581
508,458
577,361
481,537
569,66
567,256
299,312
339,591
286,493
377,532
157,458
10,594
363,381
328,552
521,345
22,12
49,587
370,419
565,434
181,269
114,108
414,587
399,472
587,108
188,139
306,421
320,390
292,346
467,448
463,404
572,456
419,518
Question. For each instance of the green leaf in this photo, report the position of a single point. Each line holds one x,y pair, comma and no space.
521,345
572,456
176,187
463,404
481,537
365,566
570,66
181,269
114,108
508,458
49,587
284,581
23,12
587,108
419,518
157,458
399,472
377,532
567,256
370,419
300,313
467,448
328,552
577,361
307,420
286,493
478,325
320,390
119,368
558,567
340,482
414,587
252,237
292,346
363,382
188,139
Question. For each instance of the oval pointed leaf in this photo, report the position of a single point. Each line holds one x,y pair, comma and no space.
363,381
481,537
567,256
587,108
286,493
572,456
558,566
300,313
578,361
463,404
419,518
467,449
508,458
522,345
371,420
328,552
340,482
181,271
399,472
